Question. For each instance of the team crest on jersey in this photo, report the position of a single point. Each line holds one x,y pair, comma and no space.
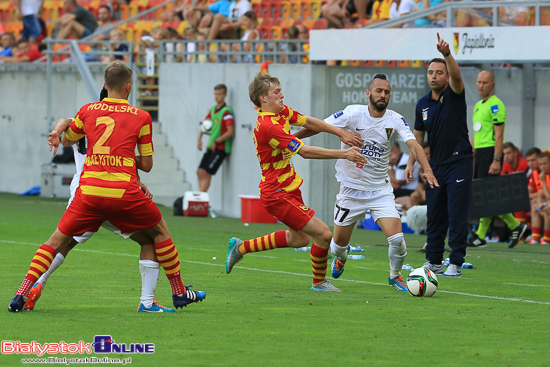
337,114
293,145
304,208
389,130
494,109
424,115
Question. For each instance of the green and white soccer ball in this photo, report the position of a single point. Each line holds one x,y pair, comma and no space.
422,282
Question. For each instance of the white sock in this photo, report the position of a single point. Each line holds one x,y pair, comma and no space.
149,271
397,252
56,263
339,251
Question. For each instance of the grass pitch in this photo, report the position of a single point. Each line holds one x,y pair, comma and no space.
263,313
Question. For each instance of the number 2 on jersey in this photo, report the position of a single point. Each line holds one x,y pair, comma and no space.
109,123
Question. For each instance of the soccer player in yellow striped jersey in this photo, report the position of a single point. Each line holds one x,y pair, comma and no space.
280,184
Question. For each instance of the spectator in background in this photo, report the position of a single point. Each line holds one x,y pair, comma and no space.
298,32
251,33
190,34
362,8
174,49
543,184
24,53
229,27
434,20
335,12
418,197
116,35
514,163
77,21
381,10
105,19
27,11
403,7
205,13
8,43
220,139
176,13
538,220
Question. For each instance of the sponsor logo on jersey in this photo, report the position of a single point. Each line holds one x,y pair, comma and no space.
371,150
425,114
337,114
494,109
304,208
390,130
293,145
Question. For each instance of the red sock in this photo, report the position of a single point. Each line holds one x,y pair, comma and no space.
40,264
167,255
264,243
535,234
546,238
319,262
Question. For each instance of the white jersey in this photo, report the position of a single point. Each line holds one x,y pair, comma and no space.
378,135
237,10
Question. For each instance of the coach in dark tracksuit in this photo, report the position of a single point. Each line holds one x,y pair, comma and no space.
442,114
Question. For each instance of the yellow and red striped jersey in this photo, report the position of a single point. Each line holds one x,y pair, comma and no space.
275,145
113,128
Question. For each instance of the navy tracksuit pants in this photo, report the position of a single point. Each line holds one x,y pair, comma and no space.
448,209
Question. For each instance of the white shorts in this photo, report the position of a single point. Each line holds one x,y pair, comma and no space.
351,205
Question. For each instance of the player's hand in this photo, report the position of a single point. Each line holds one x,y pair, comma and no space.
409,173
199,145
54,141
352,154
213,146
442,46
145,190
430,179
494,169
351,139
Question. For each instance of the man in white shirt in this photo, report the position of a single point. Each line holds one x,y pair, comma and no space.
403,7
365,187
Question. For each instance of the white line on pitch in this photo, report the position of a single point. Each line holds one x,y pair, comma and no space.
299,274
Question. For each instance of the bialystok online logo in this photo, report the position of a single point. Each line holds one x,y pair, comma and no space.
103,344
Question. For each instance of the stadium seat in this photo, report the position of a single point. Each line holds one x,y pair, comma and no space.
265,29
124,12
182,27
276,9
257,7
315,9
295,9
417,64
305,5
285,10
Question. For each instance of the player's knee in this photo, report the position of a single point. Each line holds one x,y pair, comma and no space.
397,243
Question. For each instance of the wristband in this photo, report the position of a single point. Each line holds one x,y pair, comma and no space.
447,54
496,158
229,26
216,141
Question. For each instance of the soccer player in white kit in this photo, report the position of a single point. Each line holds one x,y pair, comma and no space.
149,266
365,187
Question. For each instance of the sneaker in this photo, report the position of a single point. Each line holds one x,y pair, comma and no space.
337,265
36,292
453,271
437,269
17,303
187,298
212,212
154,308
517,234
233,255
475,241
544,242
398,283
325,286
534,242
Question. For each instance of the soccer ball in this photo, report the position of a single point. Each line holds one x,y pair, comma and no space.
206,126
422,282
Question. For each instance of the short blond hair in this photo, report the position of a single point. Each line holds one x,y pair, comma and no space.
260,86
117,75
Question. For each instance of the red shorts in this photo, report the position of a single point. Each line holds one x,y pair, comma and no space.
86,214
289,208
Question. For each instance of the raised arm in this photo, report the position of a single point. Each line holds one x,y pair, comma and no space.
456,83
